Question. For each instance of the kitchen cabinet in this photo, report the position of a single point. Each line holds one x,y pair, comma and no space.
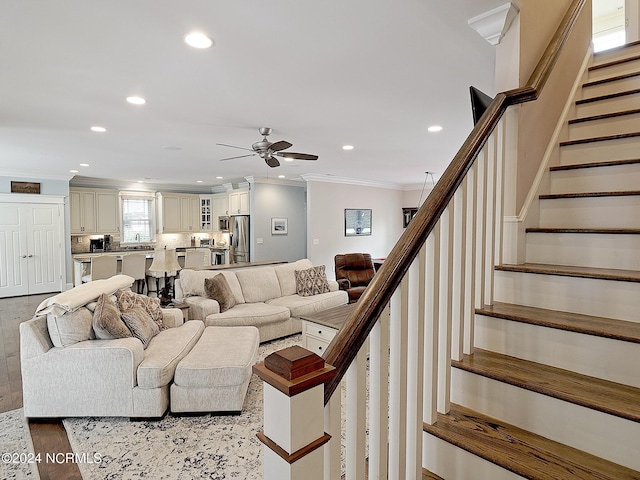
207,218
178,213
93,211
239,203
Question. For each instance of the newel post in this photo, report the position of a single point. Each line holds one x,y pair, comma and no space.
293,414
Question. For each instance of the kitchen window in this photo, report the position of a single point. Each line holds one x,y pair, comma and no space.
138,222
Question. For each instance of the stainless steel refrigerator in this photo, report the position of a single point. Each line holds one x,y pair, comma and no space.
239,238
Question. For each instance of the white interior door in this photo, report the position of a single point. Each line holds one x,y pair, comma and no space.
13,251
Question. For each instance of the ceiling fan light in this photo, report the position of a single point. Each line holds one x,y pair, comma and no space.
287,159
434,128
198,40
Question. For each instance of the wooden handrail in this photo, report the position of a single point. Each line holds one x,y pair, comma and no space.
346,344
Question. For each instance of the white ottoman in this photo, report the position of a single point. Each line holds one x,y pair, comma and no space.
215,374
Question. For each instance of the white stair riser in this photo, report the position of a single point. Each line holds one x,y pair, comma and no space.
451,462
599,357
600,434
591,212
594,250
589,296
618,104
605,127
619,149
596,179
631,83
614,70
616,54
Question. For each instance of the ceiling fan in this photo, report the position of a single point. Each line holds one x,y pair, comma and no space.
269,151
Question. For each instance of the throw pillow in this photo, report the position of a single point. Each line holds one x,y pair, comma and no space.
141,324
70,328
218,288
107,323
127,299
312,281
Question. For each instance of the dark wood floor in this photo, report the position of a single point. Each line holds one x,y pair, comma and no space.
47,436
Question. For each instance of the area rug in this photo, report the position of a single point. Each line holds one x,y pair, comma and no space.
17,459
181,448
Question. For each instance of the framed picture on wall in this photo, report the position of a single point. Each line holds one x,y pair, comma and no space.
279,226
357,222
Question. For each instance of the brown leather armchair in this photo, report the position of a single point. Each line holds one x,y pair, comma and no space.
354,271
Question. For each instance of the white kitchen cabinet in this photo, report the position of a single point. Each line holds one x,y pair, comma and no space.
207,218
219,207
190,213
239,202
93,211
178,213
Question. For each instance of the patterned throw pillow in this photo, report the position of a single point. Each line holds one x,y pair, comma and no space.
218,288
312,281
127,299
107,323
140,324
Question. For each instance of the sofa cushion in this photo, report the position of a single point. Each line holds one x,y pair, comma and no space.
287,277
249,314
107,323
140,324
300,306
165,351
312,281
259,284
70,328
192,282
218,289
127,299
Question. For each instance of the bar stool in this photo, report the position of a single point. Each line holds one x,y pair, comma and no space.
104,266
135,265
197,257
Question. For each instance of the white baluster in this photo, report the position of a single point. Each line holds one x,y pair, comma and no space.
500,152
398,386
332,425
432,308
470,257
444,345
481,202
458,272
356,415
490,219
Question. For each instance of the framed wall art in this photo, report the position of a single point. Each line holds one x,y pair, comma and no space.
357,222
279,226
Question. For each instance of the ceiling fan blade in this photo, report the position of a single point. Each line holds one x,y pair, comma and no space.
233,158
298,156
281,145
233,146
272,161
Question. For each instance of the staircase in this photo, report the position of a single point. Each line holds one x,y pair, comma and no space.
552,389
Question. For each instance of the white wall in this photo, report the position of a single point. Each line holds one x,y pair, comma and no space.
325,219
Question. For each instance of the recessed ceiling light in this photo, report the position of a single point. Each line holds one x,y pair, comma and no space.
140,181
171,147
219,178
98,129
281,176
198,40
198,181
347,147
435,128
73,171
84,164
136,100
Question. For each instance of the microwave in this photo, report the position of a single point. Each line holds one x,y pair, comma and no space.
223,223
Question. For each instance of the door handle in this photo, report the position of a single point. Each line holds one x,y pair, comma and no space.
23,256
29,256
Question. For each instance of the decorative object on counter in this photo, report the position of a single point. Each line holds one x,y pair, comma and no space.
279,226
165,263
357,222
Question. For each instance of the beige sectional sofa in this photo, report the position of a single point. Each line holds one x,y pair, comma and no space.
265,297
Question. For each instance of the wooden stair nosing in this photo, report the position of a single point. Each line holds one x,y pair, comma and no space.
610,79
571,271
582,141
596,231
594,393
519,451
622,193
614,63
427,475
608,96
604,116
610,328
609,163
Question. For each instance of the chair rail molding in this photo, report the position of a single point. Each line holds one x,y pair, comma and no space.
493,25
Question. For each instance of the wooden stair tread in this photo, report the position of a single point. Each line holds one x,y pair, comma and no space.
590,392
604,116
606,138
614,231
614,62
574,322
571,271
610,79
610,163
554,196
608,96
522,452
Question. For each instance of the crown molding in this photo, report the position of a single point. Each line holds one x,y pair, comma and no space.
34,175
314,177
492,25
276,181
